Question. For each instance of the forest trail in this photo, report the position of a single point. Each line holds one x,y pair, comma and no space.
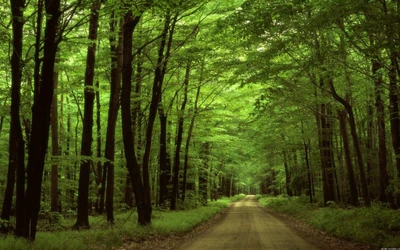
248,226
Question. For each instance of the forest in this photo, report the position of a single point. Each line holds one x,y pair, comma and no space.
112,106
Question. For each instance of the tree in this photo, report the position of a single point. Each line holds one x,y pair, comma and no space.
40,125
82,220
140,188
115,85
16,142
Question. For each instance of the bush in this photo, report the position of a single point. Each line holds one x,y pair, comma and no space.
376,225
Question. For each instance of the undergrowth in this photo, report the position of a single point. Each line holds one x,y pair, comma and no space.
377,225
105,236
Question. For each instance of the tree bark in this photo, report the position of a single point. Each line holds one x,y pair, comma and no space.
349,164
115,89
203,174
179,135
82,220
164,161
41,121
384,194
16,145
310,184
287,174
142,196
187,146
55,148
98,171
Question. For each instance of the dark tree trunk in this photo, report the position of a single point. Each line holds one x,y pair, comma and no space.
370,148
203,173
16,142
324,125
69,174
38,49
140,187
394,113
98,175
287,174
347,155
55,148
384,194
41,121
310,184
82,220
394,71
187,146
327,154
115,89
128,193
177,158
164,160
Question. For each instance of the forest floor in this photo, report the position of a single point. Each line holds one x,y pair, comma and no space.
247,225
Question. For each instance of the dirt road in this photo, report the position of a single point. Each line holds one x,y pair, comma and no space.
248,226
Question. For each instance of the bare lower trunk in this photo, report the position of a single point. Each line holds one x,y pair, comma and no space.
115,86
40,122
55,148
16,145
82,220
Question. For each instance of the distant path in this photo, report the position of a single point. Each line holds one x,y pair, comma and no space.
248,226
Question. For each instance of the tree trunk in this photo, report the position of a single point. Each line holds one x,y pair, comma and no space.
370,147
142,195
115,89
187,146
203,174
40,121
384,194
16,145
394,114
82,220
327,154
357,148
164,160
179,142
347,154
55,148
310,184
98,175
287,174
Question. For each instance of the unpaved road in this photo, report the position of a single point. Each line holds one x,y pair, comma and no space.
248,226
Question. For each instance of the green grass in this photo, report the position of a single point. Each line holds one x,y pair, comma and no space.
105,236
377,225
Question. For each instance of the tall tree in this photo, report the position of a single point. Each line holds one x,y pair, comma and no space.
55,151
16,142
142,194
179,137
189,137
115,86
82,220
40,123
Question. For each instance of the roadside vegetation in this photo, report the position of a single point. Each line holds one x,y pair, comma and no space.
105,236
377,226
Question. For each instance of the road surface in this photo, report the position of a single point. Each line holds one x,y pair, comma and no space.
248,226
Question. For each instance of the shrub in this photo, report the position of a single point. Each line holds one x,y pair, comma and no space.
376,225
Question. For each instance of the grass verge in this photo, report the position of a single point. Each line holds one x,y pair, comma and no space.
376,226
105,236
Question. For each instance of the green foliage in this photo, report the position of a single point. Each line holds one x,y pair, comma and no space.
176,222
103,235
237,197
378,225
